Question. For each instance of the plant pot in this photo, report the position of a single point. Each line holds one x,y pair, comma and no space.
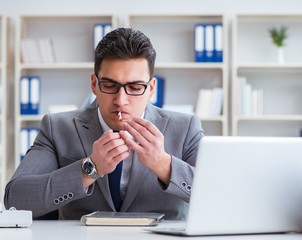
280,55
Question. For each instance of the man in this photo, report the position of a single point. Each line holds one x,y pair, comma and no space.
73,164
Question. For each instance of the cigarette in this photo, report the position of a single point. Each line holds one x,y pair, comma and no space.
120,118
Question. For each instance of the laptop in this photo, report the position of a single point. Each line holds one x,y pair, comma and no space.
244,185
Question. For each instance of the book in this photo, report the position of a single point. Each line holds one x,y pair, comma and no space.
37,50
103,218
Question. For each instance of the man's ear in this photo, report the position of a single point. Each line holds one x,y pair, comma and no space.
93,83
152,86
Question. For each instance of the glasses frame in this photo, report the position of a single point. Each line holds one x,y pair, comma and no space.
145,85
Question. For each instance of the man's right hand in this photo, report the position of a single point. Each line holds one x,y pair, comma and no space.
107,152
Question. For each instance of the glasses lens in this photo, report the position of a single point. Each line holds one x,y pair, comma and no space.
109,87
135,89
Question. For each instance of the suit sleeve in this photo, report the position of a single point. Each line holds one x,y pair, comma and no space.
183,166
37,184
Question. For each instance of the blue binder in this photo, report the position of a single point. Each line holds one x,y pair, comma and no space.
23,142
209,43
218,43
24,95
27,137
99,31
158,96
34,95
199,43
30,89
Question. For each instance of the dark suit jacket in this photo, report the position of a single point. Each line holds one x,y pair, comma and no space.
49,177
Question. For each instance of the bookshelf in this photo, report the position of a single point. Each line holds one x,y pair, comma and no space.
255,58
3,102
172,36
66,81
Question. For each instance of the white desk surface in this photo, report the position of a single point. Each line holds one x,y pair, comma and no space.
55,230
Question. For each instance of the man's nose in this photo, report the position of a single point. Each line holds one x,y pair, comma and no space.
121,95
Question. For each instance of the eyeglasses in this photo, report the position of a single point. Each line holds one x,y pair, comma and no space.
109,86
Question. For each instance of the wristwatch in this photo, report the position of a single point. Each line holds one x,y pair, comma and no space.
89,169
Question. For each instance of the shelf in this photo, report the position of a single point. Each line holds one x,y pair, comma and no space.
254,28
67,80
70,65
213,119
190,65
269,66
30,118
270,118
173,37
255,68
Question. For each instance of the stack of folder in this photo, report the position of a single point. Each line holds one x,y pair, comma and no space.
30,95
27,138
99,31
208,42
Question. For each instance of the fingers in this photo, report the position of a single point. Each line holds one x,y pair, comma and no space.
141,130
109,150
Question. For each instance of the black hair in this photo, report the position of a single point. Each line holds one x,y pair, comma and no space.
125,44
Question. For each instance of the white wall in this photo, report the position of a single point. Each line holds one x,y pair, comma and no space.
123,7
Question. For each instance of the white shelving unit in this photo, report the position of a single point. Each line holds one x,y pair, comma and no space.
255,58
172,36
67,81
3,102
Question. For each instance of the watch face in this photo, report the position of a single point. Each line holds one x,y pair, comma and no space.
88,168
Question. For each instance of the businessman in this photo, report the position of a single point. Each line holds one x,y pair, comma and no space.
121,153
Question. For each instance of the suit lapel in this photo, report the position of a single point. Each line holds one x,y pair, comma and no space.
138,170
89,130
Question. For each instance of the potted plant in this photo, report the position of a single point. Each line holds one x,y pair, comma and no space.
278,37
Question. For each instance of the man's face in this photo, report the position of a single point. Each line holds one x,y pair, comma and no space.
122,71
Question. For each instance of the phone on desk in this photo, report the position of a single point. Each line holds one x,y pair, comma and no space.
15,218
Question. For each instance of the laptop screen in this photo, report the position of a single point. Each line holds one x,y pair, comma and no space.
246,185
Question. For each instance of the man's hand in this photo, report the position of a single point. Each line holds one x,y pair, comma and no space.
107,152
149,147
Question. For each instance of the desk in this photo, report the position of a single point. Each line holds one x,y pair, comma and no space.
73,230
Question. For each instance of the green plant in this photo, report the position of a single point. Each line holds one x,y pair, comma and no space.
278,36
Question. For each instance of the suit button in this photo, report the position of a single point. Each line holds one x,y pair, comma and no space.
70,195
56,201
189,188
183,184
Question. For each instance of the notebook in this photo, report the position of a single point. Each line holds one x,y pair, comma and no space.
101,218
245,185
